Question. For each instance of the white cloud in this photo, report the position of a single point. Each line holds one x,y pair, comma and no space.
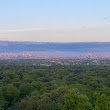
22,30
61,34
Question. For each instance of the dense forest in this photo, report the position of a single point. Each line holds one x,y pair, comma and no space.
56,87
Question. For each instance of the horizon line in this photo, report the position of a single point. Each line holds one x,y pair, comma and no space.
55,41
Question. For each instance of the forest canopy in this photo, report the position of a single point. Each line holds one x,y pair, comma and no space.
56,87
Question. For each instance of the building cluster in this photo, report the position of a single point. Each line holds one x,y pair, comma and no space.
28,55
4,56
94,56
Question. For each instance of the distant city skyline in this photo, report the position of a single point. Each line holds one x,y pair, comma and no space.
55,21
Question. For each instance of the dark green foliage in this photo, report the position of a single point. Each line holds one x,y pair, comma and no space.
3,103
102,102
25,89
76,101
33,87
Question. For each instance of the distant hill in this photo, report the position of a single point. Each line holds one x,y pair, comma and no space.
13,47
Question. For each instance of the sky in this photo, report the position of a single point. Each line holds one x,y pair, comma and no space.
55,20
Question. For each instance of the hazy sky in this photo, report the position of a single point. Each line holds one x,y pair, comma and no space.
55,20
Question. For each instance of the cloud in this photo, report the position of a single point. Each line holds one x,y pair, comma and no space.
59,34
22,30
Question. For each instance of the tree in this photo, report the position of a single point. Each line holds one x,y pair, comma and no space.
102,102
3,103
12,93
25,89
76,101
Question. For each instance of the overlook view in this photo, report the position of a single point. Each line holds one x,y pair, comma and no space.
55,55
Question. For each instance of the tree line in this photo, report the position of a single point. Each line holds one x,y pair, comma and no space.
78,87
